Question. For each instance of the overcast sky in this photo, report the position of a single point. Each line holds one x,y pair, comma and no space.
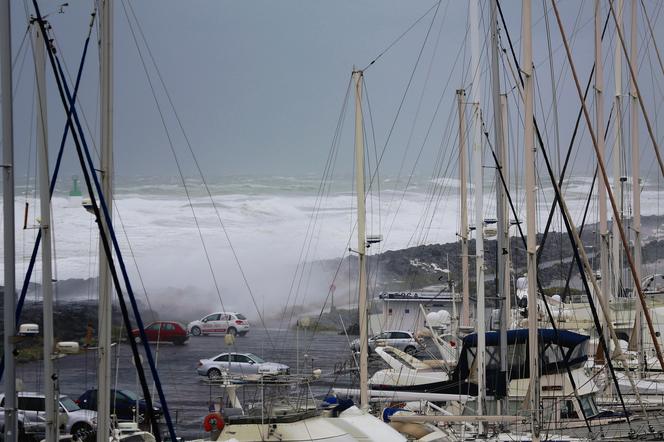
259,85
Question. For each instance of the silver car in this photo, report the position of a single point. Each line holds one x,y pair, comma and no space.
238,364
27,429
73,420
403,340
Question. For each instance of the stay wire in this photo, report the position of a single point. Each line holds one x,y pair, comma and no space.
403,34
440,101
415,118
652,35
405,93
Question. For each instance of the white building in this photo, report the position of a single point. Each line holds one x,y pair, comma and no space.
401,310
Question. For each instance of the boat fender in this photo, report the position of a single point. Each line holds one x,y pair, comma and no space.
389,411
329,402
213,422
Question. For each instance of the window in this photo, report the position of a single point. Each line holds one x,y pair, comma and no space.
588,404
153,327
127,395
214,317
241,316
169,327
256,359
389,311
222,358
407,311
31,403
68,404
241,359
567,411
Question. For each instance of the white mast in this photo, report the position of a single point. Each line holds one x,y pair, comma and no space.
479,195
7,166
601,188
506,177
617,157
531,241
463,188
361,241
104,320
636,185
506,213
502,238
45,227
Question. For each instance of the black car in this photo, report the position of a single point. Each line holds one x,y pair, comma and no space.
123,404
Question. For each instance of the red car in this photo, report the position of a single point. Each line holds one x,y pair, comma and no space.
164,331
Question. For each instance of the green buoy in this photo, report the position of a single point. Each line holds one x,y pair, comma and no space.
75,190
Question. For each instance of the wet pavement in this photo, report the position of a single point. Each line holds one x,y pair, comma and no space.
188,395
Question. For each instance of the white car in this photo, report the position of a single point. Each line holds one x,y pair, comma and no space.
403,340
239,364
220,322
73,419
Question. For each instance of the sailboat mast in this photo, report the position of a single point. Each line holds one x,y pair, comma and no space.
501,234
601,187
617,157
479,216
463,188
361,241
106,166
45,227
507,300
531,240
9,305
636,182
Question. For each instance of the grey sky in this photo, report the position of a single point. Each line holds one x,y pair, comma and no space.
259,84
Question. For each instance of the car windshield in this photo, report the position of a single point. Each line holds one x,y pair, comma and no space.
68,404
130,394
256,359
241,316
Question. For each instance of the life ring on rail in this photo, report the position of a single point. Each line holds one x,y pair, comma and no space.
213,422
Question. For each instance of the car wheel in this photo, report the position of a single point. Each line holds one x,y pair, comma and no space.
231,331
410,350
214,373
82,431
195,331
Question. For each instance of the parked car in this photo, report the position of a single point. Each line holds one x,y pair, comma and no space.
239,363
164,331
27,430
123,404
73,420
220,322
403,340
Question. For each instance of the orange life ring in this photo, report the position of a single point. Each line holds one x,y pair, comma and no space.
213,422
